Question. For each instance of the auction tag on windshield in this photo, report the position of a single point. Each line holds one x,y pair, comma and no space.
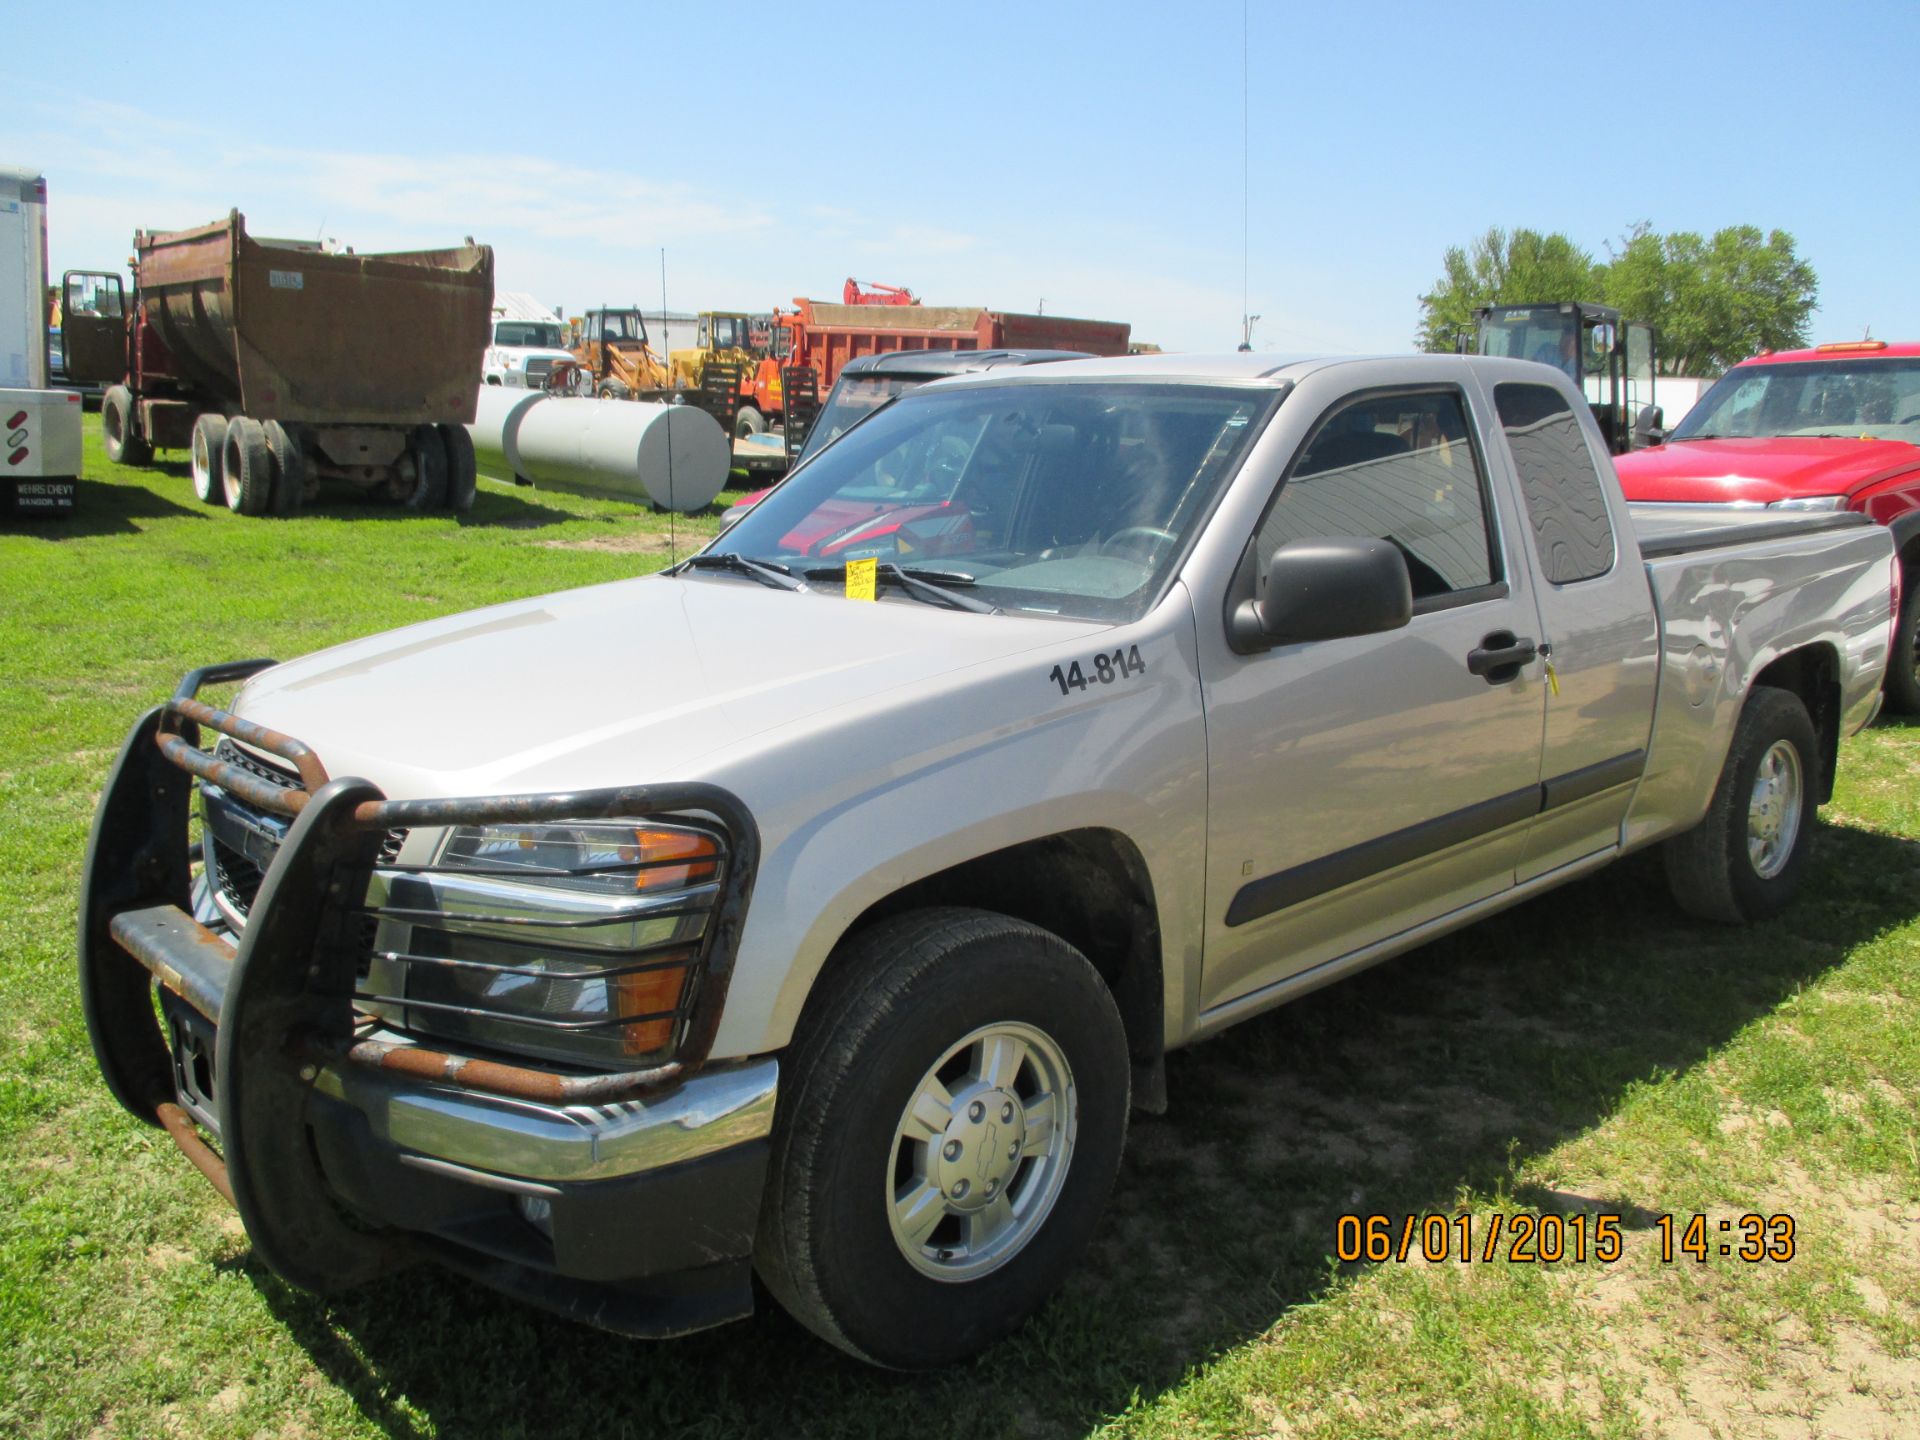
863,577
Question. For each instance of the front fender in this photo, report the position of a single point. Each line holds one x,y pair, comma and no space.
927,786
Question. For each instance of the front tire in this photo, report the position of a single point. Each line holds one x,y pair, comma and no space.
1903,665
124,444
950,1126
1744,861
749,422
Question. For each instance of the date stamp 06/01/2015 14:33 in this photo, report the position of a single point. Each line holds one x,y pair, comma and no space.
1528,1239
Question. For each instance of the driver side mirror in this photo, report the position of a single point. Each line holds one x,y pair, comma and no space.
1649,427
1324,589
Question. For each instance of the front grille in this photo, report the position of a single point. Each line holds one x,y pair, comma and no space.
271,771
238,877
537,370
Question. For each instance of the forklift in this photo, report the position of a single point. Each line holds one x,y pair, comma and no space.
1610,363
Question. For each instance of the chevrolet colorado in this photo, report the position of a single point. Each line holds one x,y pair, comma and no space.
826,917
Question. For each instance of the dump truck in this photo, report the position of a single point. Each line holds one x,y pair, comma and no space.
280,364
823,337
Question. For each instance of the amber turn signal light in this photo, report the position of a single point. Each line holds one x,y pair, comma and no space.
652,848
649,992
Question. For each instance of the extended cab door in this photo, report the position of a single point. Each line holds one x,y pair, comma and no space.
1359,787
93,327
1596,614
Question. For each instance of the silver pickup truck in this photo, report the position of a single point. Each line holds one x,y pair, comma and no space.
821,906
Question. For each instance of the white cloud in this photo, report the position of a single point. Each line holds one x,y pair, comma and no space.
576,235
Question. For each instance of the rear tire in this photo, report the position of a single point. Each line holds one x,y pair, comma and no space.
1744,861
611,390
430,470
289,470
463,472
208,449
247,467
125,446
749,422
1903,665
950,1122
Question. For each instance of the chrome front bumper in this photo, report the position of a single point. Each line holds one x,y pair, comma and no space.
496,1139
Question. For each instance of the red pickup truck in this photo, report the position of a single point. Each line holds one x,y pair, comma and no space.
1836,427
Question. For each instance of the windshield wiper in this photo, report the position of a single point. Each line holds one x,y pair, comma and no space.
929,585
765,571
1697,435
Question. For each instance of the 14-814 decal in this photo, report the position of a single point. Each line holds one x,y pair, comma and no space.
1105,669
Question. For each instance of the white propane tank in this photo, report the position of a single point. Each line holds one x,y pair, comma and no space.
675,456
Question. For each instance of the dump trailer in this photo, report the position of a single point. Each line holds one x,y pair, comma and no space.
279,364
823,337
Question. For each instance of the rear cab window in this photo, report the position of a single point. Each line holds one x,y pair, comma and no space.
1565,498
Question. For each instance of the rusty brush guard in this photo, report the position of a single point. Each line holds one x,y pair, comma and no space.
283,1003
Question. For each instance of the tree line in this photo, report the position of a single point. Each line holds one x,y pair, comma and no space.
1712,300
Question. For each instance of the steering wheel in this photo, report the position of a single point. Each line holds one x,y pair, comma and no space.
1908,418
1135,533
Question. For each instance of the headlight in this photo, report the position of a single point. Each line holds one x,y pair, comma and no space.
572,942
1811,502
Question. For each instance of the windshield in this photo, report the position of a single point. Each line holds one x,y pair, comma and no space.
529,333
853,399
729,332
1543,335
1853,396
624,325
1069,500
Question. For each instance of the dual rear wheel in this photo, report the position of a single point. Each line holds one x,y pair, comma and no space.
261,467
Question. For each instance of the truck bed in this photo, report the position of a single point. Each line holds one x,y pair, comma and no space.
1668,530
1733,590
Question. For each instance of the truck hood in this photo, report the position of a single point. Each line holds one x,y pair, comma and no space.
1763,470
626,683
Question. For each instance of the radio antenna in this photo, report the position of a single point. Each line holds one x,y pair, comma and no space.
1246,185
673,534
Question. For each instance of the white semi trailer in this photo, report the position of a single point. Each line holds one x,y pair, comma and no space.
39,426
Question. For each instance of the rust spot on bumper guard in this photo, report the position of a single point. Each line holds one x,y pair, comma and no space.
514,1081
179,1125
185,956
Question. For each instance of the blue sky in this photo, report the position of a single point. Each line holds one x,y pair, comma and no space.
1087,156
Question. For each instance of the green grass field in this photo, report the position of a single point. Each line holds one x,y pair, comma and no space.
1588,1052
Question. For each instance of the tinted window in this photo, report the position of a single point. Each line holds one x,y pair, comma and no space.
1398,468
1565,500
1847,396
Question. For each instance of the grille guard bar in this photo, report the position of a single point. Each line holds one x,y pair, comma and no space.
287,1002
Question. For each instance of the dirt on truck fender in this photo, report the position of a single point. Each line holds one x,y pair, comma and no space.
821,906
